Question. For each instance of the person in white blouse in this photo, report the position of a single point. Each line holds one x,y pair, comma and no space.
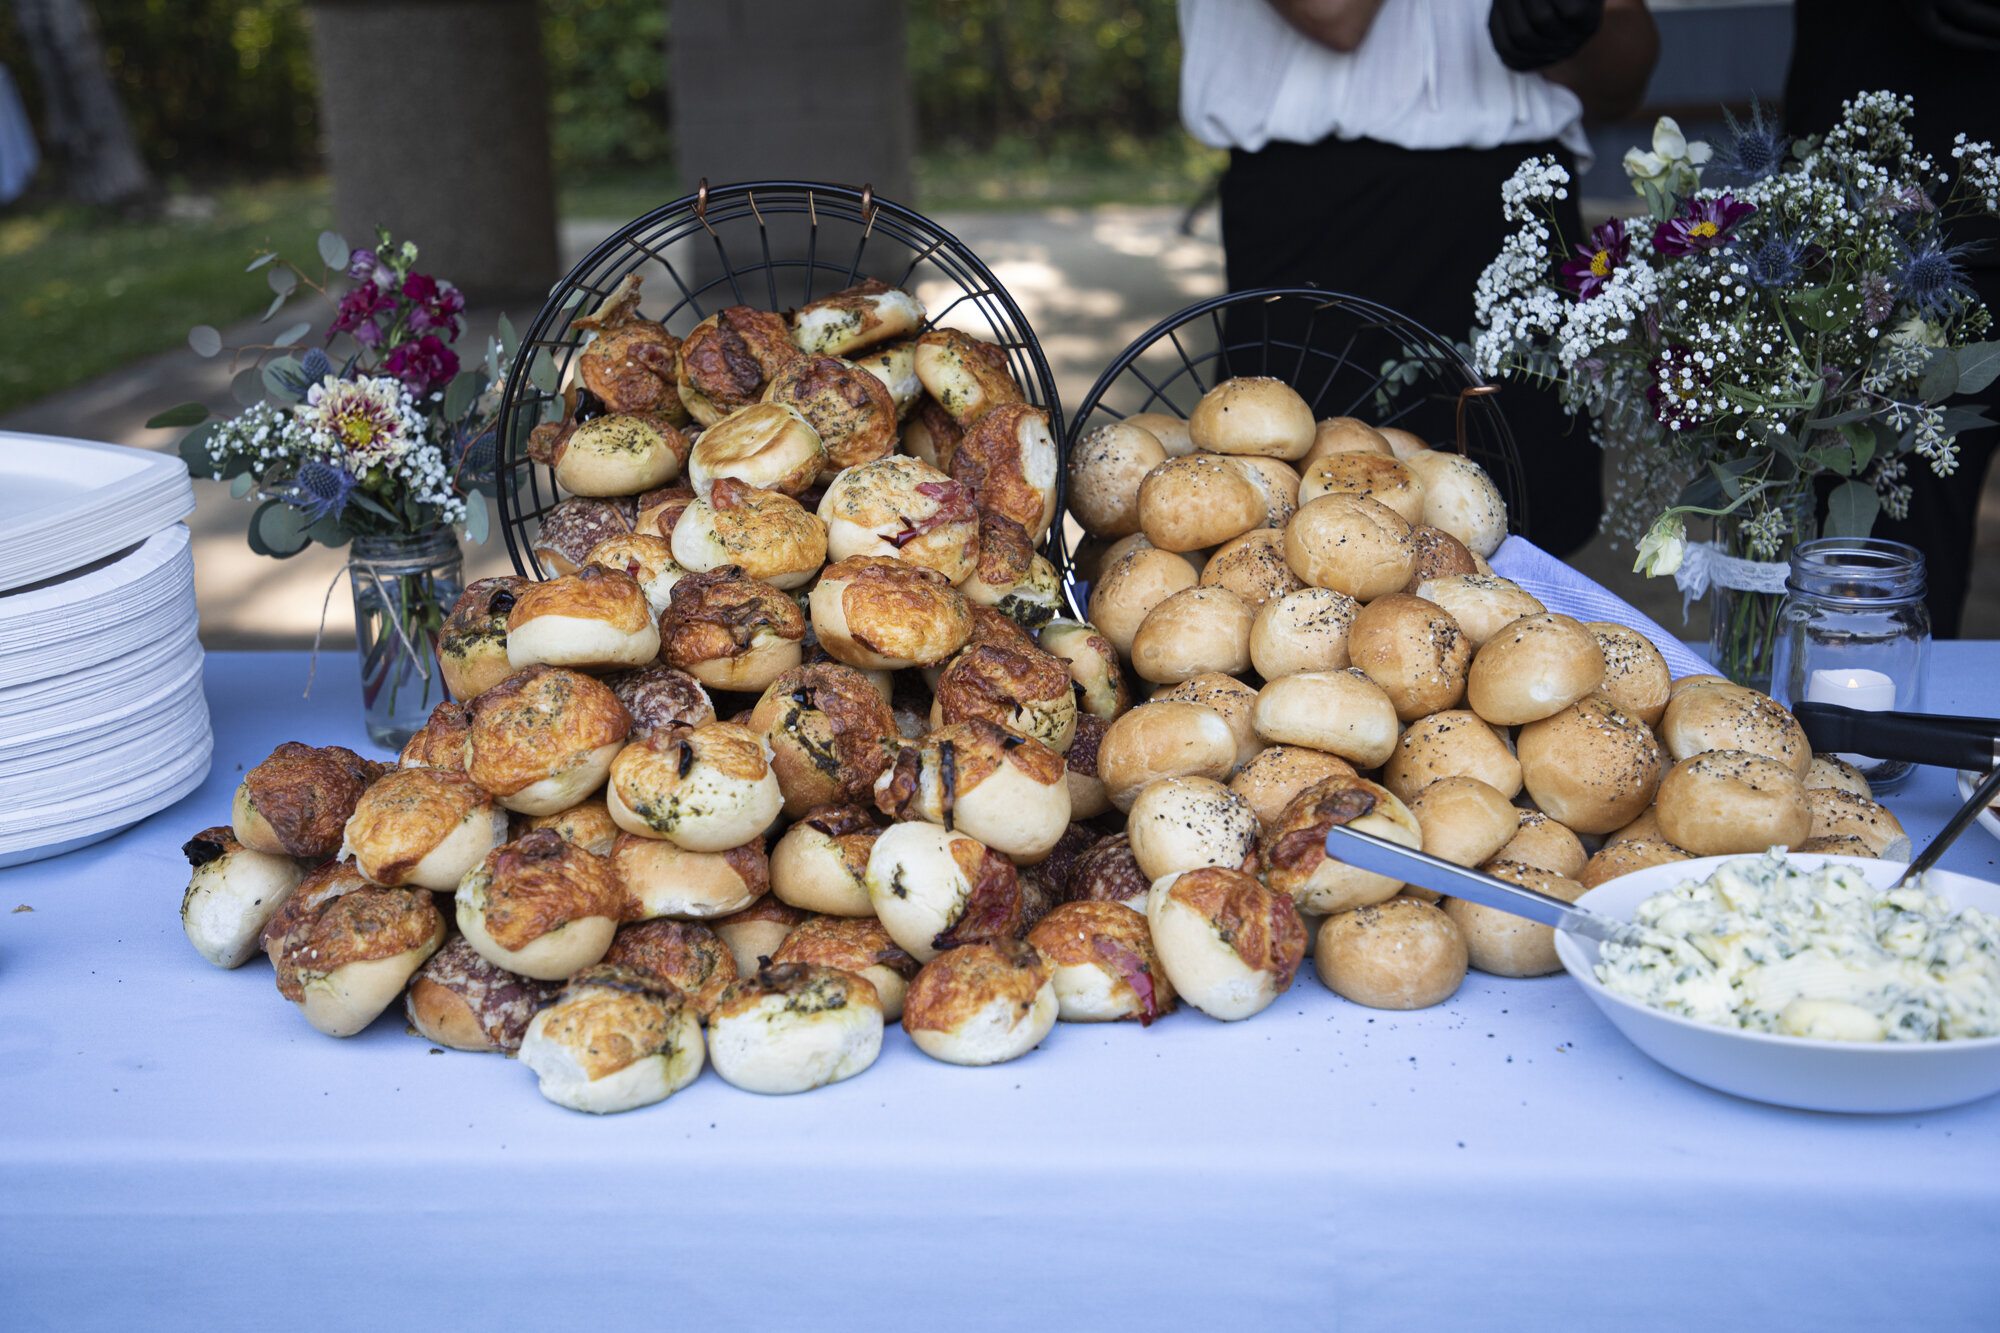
1368,142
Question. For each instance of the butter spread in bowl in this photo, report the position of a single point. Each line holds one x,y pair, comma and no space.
1767,946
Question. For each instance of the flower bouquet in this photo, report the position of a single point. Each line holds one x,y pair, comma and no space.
1804,317
378,439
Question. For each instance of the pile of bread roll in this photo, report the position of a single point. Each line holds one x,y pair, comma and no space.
1309,607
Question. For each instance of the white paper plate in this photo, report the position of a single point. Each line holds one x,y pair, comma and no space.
1804,1072
65,826
121,607
79,697
65,503
1968,783
56,762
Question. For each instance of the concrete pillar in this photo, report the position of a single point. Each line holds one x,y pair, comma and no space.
436,122
793,90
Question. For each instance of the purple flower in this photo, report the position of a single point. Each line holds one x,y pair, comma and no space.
423,365
364,266
1703,224
433,305
321,489
1931,278
1678,381
360,313
1590,271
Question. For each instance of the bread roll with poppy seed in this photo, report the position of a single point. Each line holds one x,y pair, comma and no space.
1482,604
1730,802
1452,743
1635,674
1253,415
1170,430
1351,544
1104,475
1532,669
1129,588
1235,701
1412,649
1183,823
1830,770
1842,814
1229,945
1280,772
1341,712
1194,632
1253,567
1719,715
1541,843
1275,481
1345,435
1439,555
1459,498
1505,945
1464,821
1625,856
1594,766
1189,503
1163,740
1305,630
1401,954
1381,479
1102,964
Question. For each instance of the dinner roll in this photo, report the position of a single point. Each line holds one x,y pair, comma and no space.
1506,945
1542,843
661,699
424,827
344,957
1253,567
1278,773
1253,415
1228,945
1010,461
1463,820
767,534
968,376
856,318
1292,854
794,1027
882,614
855,944
1381,479
544,739
1306,630
1198,501
569,530
1459,498
728,358
1102,964
1276,481
1093,667
233,893
1594,766
540,906
296,802
1646,824
1185,823
619,454
1351,544
897,506
440,742
934,888
830,734
1723,716
1627,855
1450,744
1009,791
981,1004
1413,650
616,1038
1400,954
1104,475
1439,555
1842,814
730,631
707,790
588,824
1235,701
663,879
758,931
821,863
1345,435
769,445
1830,770
1725,802
1482,604
688,955
1163,740
1635,674
460,1001
630,362
595,619
1341,712
1532,669
1170,430
1196,631
649,560
472,645
1127,590
1027,692
850,409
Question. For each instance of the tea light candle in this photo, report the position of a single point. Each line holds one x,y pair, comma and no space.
1853,687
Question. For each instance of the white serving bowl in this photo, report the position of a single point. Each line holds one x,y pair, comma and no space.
1805,1072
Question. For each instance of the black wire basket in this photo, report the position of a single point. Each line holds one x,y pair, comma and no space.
1346,357
776,245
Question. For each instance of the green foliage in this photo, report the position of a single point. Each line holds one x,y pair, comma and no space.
982,71
607,64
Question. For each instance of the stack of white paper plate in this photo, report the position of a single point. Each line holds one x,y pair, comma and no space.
102,718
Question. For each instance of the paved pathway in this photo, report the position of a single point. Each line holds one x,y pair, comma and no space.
1089,279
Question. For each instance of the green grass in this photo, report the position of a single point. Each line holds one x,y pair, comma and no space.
85,292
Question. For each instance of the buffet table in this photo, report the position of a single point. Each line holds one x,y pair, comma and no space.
178,1149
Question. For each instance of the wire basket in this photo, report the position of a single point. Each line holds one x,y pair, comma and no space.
1346,357
775,245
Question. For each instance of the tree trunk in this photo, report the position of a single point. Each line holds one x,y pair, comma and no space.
85,130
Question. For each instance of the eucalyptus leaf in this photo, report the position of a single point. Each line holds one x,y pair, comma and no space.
193,449
510,342
1731,485
1851,510
241,486
1861,440
334,251
293,334
542,373
476,518
329,532
1941,380
458,398
372,505
248,386
205,340
1978,366
261,260
1964,417
283,529
283,280
187,414
277,304
256,533
1835,458
1703,491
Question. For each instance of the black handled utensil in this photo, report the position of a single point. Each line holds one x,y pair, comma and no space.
1914,738
1982,796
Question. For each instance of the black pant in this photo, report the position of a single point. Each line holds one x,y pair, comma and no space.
1412,230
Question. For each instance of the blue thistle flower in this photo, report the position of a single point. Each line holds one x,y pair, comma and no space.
1776,261
1755,148
321,489
314,366
1931,278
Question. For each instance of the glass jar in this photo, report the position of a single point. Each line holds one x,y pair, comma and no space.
404,587
1854,630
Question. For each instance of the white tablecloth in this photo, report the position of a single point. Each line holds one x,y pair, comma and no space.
179,1150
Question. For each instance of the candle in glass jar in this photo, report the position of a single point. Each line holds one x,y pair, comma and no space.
1853,687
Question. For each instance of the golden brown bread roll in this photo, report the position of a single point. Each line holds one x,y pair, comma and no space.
588,824
459,1000
1726,802
766,534
1351,544
543,740
849,409
1459,498
1279,772
1482,604
900,507
982,1003
830,733
1412,649
855,944
540,906
884,614
1542,843
1102,964
967,376
1594,766
1009,460
343,959
1341,712
1400,954
706,790
472,646
1162,740
1228,696
856,318
1381,479
1292,857
1342,435
1635,675
1842,814
728,358
683,952
1439,555
1627,855
821,864
1464,820
1128,588
631,363
1253,415
424,827
596,619
1229,945
1718,715
1534,668
1506,945
1305,630
297,802
1455,742
440,742
730,631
